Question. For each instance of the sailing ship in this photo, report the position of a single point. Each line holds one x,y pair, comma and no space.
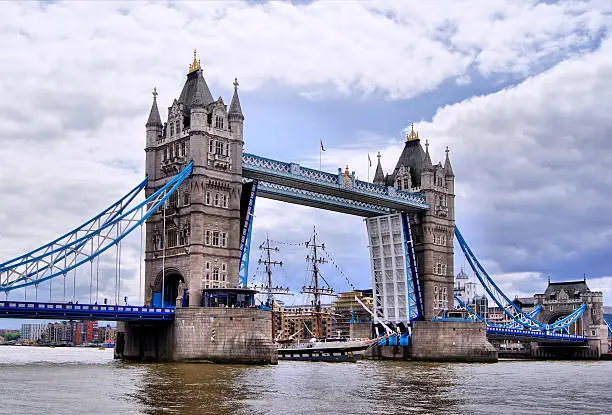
318,347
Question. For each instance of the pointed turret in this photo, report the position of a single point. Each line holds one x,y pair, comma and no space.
235,110
195,90
379,176
235,116
202,95
427,165
154,118
448,169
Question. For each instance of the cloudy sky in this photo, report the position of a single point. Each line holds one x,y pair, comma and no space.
519,91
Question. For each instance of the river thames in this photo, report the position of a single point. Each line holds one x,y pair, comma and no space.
88,381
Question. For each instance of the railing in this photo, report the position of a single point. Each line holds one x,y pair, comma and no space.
296,172
535,334
75,310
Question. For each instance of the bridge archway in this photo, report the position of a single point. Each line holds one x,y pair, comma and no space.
172,278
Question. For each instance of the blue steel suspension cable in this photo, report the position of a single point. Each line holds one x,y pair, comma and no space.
150,206
520,317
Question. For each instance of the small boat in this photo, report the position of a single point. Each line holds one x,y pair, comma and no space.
325,350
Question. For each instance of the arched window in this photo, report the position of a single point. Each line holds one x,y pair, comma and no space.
171,129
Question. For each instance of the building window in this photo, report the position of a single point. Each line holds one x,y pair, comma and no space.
178,127
227,149
223,239
207,238
218,122
215,238
216,199
215,274
224,200
219,148
436,297
551,308
185,199
171,129
183,149
208,198
444,298
211,145
172,238
207,265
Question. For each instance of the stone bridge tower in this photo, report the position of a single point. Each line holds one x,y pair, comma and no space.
433,230
202,219
563,298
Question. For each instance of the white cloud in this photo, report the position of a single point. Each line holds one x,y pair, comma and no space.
75,84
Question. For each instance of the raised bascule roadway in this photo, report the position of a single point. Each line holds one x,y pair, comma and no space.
195,225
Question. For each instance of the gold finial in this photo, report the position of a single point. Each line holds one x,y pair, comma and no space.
347,172
378,155
412,135
154,92
196,63
236,83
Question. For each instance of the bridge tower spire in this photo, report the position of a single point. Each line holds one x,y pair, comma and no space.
433,229
201,233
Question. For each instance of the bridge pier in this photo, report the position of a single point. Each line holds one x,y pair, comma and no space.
449,341
222,335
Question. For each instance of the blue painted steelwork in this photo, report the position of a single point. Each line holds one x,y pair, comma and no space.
478,317
396,340
506,305
68,311
608,320
245,239
415,302
77,247
535,334
321,200
295,176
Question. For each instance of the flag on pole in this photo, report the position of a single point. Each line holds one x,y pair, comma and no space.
369,160
322,148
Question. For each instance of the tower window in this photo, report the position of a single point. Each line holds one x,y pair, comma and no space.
216,199
223,239
215,274
215,238
207,238
172,238
183,149
211,146
224,200
208,198
219,148
218,122
171,129
185,198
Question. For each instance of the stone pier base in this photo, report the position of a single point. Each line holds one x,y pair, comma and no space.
224,335
441,341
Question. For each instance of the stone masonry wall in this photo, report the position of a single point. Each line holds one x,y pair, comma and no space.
451,341
223,335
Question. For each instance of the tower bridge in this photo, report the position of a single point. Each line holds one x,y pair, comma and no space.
196,224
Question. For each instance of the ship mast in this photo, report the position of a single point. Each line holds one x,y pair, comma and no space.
316,290
271,290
